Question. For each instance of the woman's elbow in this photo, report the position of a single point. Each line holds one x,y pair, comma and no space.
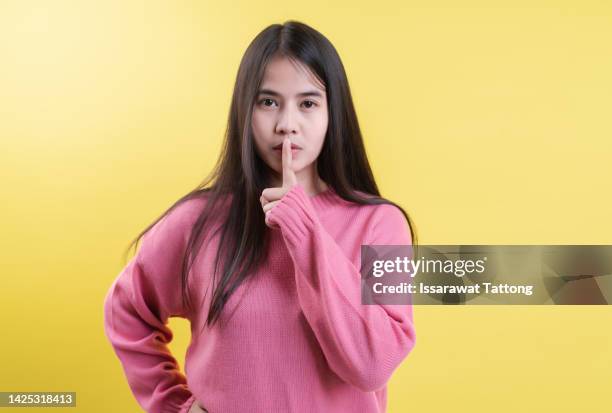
376,373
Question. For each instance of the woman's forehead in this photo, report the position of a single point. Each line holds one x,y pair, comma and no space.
289,77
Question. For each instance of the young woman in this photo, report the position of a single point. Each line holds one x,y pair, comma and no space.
263,258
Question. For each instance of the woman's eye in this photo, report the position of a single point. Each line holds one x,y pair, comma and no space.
265,102
309,104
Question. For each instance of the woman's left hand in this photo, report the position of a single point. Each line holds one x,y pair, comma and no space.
271,196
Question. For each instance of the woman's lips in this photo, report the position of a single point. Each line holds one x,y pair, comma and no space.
293,146
279,151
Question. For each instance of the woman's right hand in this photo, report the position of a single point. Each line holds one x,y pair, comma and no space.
196,408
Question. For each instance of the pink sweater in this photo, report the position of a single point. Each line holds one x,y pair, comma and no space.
295,338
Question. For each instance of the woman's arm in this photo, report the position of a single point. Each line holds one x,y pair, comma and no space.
136,311
363,344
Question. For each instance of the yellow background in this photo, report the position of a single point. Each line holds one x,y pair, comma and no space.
488,121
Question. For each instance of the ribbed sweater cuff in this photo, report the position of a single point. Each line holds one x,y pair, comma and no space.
295,214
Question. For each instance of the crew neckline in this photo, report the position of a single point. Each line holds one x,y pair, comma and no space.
323,199
318,194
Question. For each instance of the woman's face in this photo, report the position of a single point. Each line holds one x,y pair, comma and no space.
290,103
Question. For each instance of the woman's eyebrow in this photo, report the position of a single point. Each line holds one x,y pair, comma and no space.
273,93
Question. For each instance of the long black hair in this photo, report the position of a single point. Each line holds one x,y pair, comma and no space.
241,175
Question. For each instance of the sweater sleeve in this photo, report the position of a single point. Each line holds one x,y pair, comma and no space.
136,310
363,344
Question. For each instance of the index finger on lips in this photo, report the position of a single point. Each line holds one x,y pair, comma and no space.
287,163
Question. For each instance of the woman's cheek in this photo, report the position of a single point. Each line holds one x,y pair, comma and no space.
309,158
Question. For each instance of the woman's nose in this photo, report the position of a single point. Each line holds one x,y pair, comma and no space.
286,122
